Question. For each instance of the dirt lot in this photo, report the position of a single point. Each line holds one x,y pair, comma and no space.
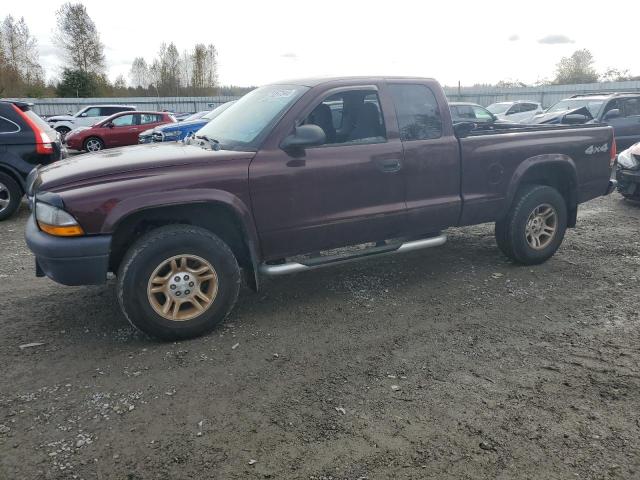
445,363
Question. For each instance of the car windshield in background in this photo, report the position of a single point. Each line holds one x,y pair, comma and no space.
498,108
592,105
197,115
217,111
243,124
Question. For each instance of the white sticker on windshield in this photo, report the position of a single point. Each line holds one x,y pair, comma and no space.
281,93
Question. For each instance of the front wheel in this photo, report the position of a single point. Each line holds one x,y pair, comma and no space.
535,226
178,282
93,144
63,131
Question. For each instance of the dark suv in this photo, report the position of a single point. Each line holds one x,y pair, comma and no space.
25,141
620,110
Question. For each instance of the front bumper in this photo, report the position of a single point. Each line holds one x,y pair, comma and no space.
69,260
628,181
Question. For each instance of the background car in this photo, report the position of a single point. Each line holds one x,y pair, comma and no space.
470,112
89,115
195,116
115,131
628,172
178,131
620,110
25,142
517,111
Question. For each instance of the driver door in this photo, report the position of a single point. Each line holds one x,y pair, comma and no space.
347,191
124,131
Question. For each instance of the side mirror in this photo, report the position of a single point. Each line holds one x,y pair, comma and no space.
83,114
614,113
305,136
108,125
575,119
463,129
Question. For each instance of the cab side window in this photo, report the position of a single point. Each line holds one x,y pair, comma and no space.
350,117
123,121
93,112
149,118
631,107
417,111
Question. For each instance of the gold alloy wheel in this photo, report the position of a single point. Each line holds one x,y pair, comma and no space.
541,226
182,287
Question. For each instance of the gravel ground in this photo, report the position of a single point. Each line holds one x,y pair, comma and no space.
445,363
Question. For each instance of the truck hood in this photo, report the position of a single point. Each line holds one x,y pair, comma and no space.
89,168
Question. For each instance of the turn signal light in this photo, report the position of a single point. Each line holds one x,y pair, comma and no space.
66,231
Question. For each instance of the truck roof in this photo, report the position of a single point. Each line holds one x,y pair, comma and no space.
315,81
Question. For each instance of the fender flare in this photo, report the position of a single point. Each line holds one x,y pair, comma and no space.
153,200
535,162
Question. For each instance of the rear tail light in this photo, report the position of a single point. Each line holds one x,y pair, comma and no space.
44,144
614,152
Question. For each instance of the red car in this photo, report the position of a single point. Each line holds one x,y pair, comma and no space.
117,130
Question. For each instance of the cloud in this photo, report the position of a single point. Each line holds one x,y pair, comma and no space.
514,38
291,55
555,39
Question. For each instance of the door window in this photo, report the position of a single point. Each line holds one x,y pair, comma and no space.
481,114
150,118
417,111
7,126
123,121
528,107
515,108
353,117
92,112
631,107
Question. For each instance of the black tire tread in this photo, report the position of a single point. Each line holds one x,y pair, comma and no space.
162,233
15,195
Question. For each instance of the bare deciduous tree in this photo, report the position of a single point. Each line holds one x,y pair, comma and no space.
78,37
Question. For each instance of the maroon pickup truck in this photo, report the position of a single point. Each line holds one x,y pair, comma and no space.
290,175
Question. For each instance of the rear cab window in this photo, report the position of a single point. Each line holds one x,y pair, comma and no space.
417,111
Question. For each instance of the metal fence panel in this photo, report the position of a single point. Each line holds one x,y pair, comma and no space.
545,94
484,95
62,106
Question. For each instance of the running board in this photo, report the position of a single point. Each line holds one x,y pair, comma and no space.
317,262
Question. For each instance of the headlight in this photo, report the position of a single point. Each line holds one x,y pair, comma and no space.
627,160
55,221
172,134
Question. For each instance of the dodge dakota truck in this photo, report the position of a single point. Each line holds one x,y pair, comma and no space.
300,175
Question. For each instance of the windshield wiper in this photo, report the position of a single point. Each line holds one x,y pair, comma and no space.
215,144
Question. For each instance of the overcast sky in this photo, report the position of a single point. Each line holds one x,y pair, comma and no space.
264,41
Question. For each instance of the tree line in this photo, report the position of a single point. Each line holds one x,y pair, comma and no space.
191,72
170,73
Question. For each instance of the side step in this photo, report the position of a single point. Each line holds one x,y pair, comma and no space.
317,262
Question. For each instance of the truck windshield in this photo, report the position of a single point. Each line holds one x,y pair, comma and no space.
244,123
498,108
592,105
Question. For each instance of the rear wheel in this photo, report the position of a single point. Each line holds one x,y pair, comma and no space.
178,282
93,144
10,196
534,227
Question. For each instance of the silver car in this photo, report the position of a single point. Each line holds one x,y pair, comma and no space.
517,111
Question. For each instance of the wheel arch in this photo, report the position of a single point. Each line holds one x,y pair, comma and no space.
230,220
555,170
15,175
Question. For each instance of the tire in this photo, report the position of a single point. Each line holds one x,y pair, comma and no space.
145,260
10,196
93,144
535,226
63,131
